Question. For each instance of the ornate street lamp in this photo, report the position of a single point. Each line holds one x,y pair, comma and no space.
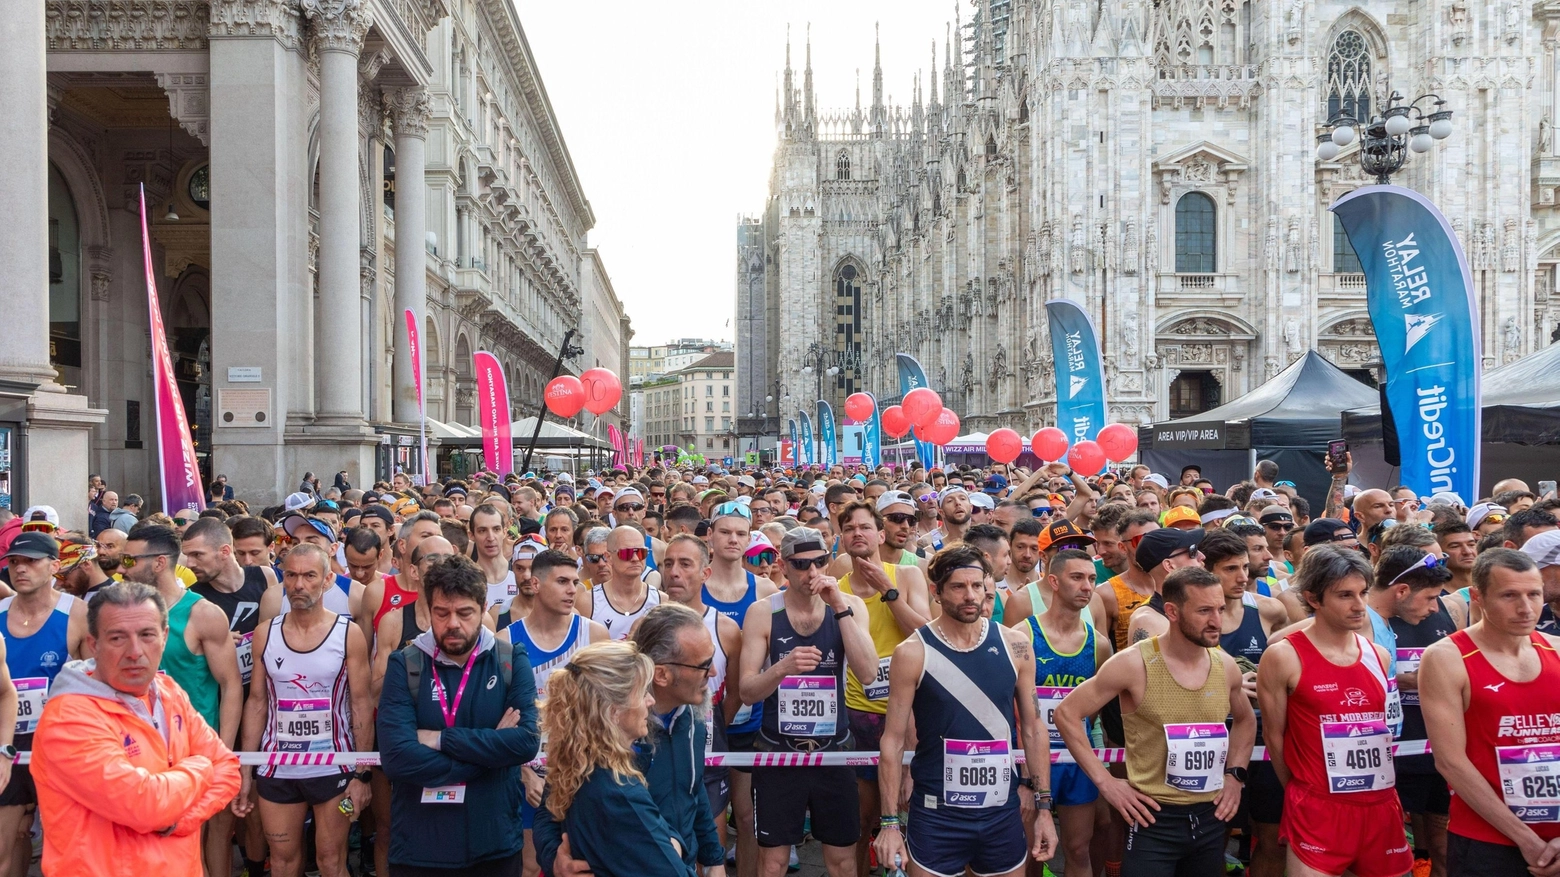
1386,139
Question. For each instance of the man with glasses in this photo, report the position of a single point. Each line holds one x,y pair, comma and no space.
762,511
1160,553
1277,523
796,646
628,507
624,597
595,560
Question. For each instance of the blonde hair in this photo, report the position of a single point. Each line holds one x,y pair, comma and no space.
579,718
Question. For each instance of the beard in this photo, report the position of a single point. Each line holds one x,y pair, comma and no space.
466,643
1197,633
109,565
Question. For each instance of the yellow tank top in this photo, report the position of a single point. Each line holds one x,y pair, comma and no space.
1165,701
1126,601
885,636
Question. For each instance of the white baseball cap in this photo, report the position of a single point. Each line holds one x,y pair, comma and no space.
295,501
1544,548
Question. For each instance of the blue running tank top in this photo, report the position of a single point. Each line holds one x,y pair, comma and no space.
965,724
1058,673
35,660
750,717
545,661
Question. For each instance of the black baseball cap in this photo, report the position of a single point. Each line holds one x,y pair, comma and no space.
378,511
1321,530
1277,515
34,545
1157,546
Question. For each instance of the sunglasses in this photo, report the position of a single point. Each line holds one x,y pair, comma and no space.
763,558
1488,519
803,564
927,497
655,495
1072,546
595,558
1043,511
128,561
632,553
1429,561
630,507
900,518
1279,526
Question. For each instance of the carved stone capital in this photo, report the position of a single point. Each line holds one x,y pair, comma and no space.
96,25
273,19
338,25
408,109
188,101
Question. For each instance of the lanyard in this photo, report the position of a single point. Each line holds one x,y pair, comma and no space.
438,688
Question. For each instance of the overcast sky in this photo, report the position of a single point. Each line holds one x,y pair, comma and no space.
668,112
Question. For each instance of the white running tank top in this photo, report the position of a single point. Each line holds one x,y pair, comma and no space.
618,623
500,593
310,705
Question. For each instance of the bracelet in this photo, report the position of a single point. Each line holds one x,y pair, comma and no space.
890,822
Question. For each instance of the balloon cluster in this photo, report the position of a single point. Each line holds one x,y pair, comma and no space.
1116,442
597,391
921,412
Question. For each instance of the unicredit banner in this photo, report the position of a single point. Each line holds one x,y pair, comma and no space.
1418,289
498,447
872,438
808,447
1080,373
794,456
176,458
831,450
911,375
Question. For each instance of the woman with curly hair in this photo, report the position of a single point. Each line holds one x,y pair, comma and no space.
597,706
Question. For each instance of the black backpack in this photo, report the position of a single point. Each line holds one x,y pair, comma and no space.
414,665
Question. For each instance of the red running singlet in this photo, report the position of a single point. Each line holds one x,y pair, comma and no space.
395,597
1513,731
1331,710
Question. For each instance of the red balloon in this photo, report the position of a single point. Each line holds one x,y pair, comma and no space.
565,395
1004,445
602,390
1118,441
1049,444
1086,458
858,407
944,429
921,406
894,421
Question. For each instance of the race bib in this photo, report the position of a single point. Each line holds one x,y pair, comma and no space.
303,725
877,689
497,594
1047,699
455,794
1530,780
976,773
1195,756
31,694
245,647
809,706
1408,662
1358,756
1394,708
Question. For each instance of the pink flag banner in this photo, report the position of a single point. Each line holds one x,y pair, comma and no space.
639,452
619,442
180,469
498,446
417,379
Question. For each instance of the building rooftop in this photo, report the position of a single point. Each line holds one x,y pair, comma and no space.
722,360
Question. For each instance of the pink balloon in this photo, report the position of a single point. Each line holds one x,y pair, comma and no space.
858,407
944,429
565,395
1086,458
921,406
1049,444
1004,445
894,421
602,390
1118,441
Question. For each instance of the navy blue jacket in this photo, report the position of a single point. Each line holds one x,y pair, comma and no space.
486,760
672,761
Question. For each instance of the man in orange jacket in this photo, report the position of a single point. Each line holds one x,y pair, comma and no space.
127,771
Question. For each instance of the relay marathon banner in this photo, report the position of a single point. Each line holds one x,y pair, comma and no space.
872,438
180,469
417,380
498,446
1418,289
1080,372
796,459
911,375
831,449
808,447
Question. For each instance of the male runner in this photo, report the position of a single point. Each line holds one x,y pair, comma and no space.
42,630
387,594
519,605
315,698
1489,695
624,597
1023,570
896,606
487,536
1126,591
955,683
558,528
628,507
955,508
551,633
251,541
1068,651
1185,769
1160,552
378,519
795,649
343,599
398,629
1324,693
1462,549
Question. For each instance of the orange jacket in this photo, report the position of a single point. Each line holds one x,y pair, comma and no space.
108,784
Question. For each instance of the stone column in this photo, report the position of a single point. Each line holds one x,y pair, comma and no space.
338,28
24,248
409,108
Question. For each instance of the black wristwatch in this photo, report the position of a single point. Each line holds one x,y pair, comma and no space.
849,611
890,595
1239,773
364,775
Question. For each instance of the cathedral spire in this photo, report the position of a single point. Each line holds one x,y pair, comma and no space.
931,81
878,116
855,119
790,87
809,114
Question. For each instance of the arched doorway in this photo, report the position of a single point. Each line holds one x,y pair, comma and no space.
65,276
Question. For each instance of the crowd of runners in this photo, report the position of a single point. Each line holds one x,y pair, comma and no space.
661,672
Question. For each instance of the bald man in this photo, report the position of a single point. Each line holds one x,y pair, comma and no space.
625,596
1371,507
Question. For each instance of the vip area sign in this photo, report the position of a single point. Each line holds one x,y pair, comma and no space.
1080,373
1419,292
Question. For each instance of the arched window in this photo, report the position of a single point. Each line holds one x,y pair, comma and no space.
842,166
991,145
847,331
1195,244
1348,76
1345,260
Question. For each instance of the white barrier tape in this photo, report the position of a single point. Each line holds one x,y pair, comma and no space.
733,759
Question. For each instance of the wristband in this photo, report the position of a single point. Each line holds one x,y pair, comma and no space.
890,822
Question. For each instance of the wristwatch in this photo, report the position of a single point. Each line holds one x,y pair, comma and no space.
1239,773
8,752
364,775
890,595
849,611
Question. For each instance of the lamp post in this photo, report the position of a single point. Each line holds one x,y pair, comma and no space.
776,392
1387,138
818,362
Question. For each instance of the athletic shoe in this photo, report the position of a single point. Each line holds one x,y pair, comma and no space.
795,864
1421,868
